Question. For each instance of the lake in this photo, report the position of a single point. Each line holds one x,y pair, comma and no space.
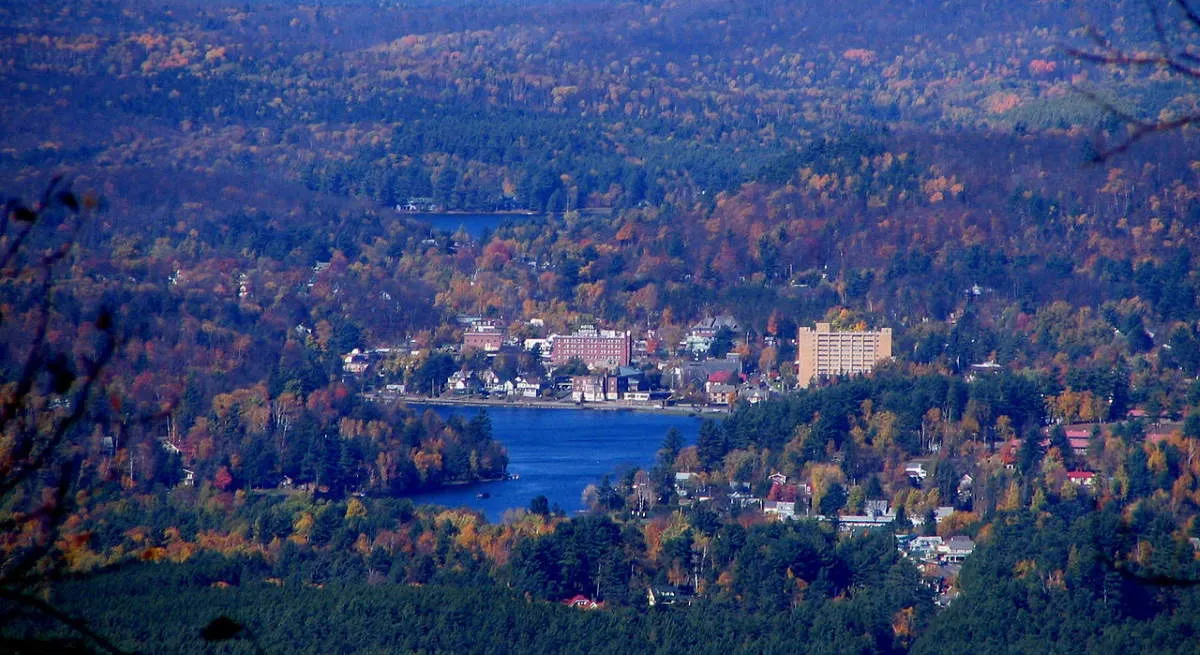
558,452
474,224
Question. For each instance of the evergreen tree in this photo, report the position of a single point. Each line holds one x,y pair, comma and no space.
670,448
710,444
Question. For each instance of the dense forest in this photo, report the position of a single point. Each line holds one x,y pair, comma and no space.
230,216
1067,578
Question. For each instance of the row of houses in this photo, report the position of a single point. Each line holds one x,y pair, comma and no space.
418,205
792,499
489,383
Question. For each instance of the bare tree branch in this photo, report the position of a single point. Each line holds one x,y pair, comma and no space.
1189,12
1174,55
47,609
45,402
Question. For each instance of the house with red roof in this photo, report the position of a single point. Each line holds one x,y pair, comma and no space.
1082,478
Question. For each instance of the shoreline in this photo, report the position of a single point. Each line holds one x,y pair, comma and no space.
466,213
609,406
593,211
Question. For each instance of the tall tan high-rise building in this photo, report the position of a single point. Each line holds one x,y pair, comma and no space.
824,351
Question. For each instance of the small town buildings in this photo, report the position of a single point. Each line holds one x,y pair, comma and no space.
494,385
754,396
784,509
965,484
684,482
709,327
581,602
956,549
941,513
648,397
632,379
987,368
720,394
1081,478
355,362
876,513
823,351
588,388
700,336
696,345
542,345
463,383
489,378
877,507
784,499
697,373
667,595
627,384
744,500
925,552
852,522
923,548
916,470
418,204
528,387
612,386
1079,439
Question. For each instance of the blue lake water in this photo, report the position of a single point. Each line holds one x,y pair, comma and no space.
474,224
558,452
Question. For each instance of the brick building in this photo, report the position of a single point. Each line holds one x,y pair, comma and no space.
487,338
597,348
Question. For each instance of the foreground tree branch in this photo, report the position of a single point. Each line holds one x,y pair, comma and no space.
1176,26
42,607
45,396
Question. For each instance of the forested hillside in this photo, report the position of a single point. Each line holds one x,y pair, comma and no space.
531,105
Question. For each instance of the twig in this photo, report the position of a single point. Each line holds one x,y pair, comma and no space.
49,610
1176,59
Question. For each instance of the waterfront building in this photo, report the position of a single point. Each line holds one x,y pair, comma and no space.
823,351
597,348
697,374
589,388
720,394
